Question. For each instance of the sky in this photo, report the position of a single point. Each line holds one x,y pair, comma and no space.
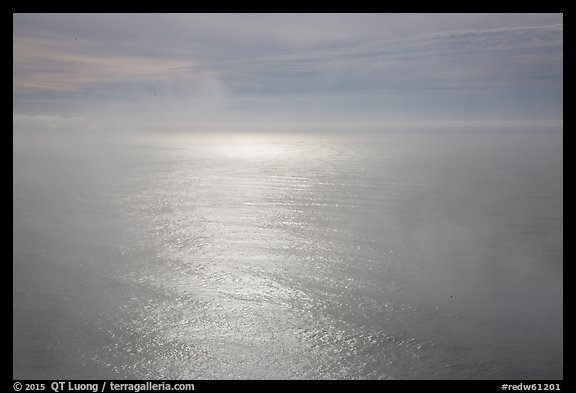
130,73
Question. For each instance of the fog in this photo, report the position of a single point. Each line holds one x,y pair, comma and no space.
299,196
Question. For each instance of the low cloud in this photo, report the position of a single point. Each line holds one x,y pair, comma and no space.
52,124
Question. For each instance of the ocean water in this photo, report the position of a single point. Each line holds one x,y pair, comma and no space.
393,256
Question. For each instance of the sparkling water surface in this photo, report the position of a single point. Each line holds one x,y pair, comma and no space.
252,256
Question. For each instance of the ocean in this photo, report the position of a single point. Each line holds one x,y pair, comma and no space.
289,256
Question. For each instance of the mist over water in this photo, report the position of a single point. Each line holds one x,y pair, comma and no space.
304,256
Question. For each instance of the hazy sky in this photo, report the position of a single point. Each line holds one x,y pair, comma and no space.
279,72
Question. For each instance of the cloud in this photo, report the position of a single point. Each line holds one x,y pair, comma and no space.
166,71
436,44
41,66
274,51
465,56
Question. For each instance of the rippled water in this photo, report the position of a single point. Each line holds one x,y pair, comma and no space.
397,256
